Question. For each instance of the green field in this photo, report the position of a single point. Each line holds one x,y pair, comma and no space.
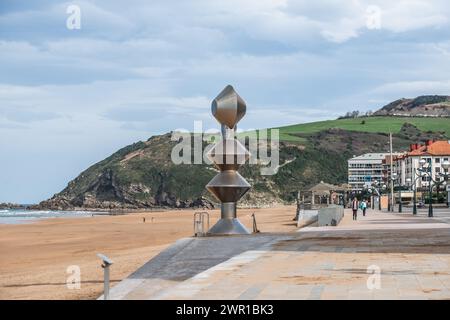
372,124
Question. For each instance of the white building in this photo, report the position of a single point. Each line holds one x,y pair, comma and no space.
434,152
365,169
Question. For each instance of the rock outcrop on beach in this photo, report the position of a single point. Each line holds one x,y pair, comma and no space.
423,106
142,175
8,205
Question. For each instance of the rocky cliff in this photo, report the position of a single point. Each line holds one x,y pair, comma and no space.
142,175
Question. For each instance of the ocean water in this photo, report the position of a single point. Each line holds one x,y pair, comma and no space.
15,216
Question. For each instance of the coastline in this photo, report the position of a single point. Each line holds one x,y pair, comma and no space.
35,256
22,214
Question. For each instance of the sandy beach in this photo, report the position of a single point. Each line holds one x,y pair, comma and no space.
34,257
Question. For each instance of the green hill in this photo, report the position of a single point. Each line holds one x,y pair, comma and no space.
142,175
366,124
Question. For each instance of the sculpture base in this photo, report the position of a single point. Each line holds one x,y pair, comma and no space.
228,226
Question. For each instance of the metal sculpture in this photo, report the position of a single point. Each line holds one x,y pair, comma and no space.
228,155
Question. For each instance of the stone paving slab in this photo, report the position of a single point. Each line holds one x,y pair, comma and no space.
189,258
412,254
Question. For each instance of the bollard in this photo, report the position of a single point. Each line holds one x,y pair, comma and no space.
106,263
255,227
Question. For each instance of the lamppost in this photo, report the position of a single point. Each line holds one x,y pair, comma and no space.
427,172
391,200
370,192
375,185
430,197
446,166
397,178
418,173
399,195
408,184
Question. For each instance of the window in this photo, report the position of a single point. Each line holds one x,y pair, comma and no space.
437,169
437,160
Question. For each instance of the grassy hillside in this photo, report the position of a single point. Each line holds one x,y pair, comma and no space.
371,124
142,175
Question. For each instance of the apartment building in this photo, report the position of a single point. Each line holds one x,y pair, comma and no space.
434,152
364,169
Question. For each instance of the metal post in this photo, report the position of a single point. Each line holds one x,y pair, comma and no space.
106,263
392,168
400,199
414,199
448,196
298,206
447,188
106,281
430,206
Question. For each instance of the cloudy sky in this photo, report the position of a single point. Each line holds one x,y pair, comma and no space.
70,97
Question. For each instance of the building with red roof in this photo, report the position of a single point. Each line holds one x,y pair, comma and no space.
433,152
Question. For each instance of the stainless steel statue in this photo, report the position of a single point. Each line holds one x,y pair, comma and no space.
228,155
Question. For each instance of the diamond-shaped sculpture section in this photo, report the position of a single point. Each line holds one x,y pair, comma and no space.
228,107
228,155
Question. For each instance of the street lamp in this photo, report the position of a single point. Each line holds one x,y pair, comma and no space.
418,173
397,178
408,183
400,204
376,186
446,166
392,205
427,172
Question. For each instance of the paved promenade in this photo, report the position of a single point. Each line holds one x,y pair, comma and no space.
411,255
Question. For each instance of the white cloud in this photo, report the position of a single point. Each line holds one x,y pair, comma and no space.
148,67
402,16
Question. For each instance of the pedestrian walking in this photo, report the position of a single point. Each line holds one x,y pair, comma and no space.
363,207
355,208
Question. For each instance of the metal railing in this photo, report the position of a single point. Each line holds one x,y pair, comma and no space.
201,224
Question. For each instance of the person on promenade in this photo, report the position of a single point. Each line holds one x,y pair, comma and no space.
355,208
363,207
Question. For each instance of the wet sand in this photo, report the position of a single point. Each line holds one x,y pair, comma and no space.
34,257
